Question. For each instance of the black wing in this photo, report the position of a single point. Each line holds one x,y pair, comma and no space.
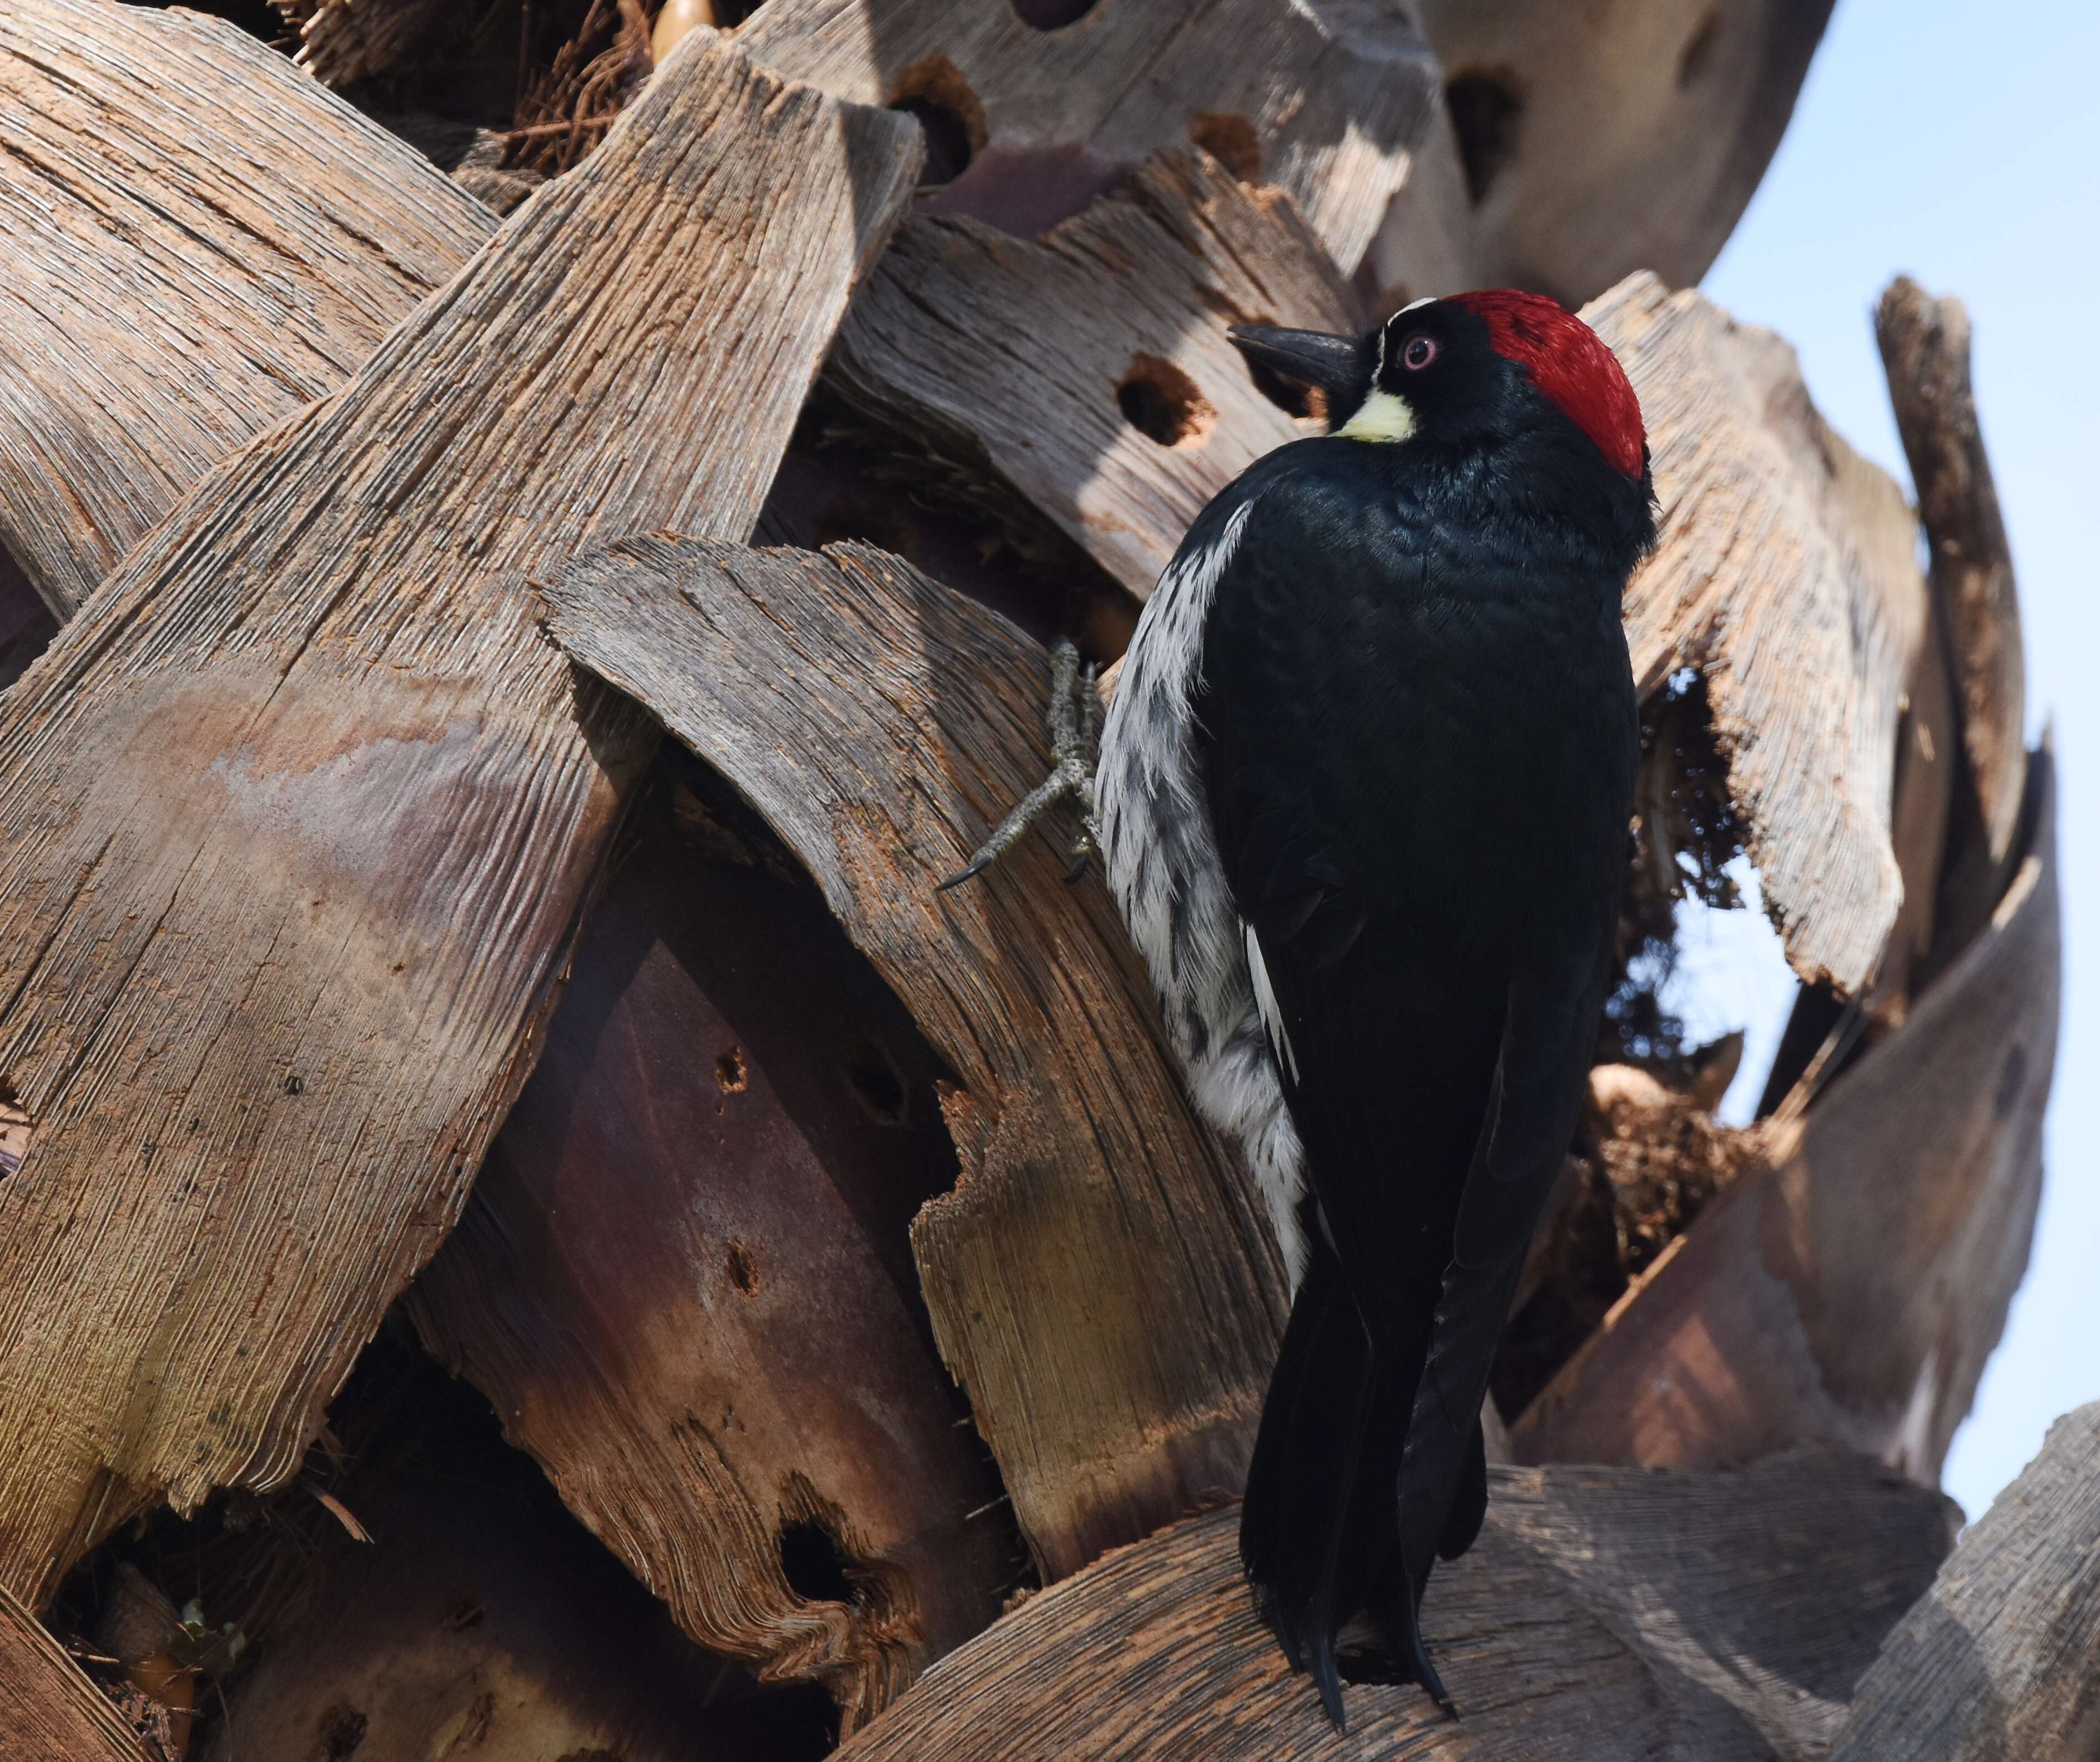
1418,765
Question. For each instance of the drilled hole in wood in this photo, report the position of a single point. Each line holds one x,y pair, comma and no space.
935,93
1051,15
732,1074
1231,140
1162,403
878,1086
16,1128
742,1268
811,1563
1485,109
1698,51
343,1730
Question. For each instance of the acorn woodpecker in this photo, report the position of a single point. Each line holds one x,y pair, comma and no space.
1364,796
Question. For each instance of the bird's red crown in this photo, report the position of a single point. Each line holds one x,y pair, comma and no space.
1570,363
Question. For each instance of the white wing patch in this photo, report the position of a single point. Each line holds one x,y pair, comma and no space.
1165,875
1264,1002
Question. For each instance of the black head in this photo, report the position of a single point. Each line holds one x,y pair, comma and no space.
1479,372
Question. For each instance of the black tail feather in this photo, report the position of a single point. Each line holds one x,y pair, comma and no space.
1320,1528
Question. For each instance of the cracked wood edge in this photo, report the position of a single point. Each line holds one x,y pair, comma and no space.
200,240
299,819
1787,573
1100,1281
1142,285
50,1712
1995,1660
1331,103
1602,1614
1851,1289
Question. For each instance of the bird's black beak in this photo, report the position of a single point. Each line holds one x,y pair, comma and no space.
1335,365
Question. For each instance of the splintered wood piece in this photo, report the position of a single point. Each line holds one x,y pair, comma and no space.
1613,136
1328,99
1787,575
200,240
1089,374
49,1710
1924,349
1100,1280
685,1276
296,824
1995,1662
1602,1614
1852,1291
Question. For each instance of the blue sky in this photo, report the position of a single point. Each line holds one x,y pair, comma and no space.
1961,144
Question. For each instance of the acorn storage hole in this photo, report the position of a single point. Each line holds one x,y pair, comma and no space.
1162,403
878,1086
1051,15
1231,140
1485,108
933,92
812,1565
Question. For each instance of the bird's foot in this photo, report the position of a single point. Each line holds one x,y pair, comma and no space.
1387,1647
1074,730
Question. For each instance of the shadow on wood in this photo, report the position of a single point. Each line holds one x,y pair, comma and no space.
1100,1280
1602,1614
1995,1662
1028,122
298,823
684,1275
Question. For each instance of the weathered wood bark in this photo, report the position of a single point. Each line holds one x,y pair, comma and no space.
685,1276
1603,1615
1100,1280
480,1620
1127,409
1852,1291
49,1710
1787,575
1604,138
200,242
1996,1663
298,823
1327,99
1925,348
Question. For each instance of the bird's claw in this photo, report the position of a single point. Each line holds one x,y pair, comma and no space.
1075,729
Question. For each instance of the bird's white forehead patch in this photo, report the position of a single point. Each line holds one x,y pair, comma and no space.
1383,416
1427,300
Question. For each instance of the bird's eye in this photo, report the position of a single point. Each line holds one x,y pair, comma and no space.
1418,352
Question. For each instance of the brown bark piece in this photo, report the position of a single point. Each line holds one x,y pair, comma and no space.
1787,574
1100,1280
684,1277
1328,99
1602,1614
343,40
1089,374
298,823
1995,1663
1852,1291
200,240
1924,349
49,1710
1615,136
